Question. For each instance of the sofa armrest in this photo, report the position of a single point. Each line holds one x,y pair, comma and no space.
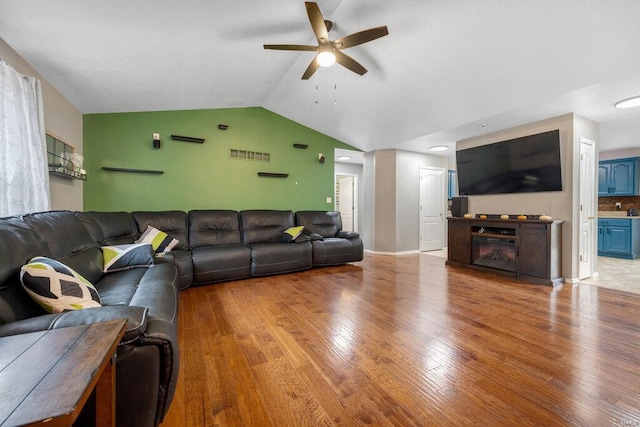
136,321
348,234
313,236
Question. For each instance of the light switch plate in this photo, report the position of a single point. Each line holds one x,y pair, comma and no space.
328,199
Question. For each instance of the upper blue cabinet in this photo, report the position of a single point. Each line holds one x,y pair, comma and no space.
619,177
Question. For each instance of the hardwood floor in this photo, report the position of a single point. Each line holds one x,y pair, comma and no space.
406,341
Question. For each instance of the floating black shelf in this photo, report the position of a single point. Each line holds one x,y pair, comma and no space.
147,171
273,175
303,146
187,139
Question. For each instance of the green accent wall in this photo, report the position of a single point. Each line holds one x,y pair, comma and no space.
204,176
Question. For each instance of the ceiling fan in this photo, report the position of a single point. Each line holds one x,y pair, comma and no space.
329,52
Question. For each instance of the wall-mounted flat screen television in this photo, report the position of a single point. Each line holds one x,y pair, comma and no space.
522,165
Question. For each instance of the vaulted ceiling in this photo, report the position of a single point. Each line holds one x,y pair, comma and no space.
446,66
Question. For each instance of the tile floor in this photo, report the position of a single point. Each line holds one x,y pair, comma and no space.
614,273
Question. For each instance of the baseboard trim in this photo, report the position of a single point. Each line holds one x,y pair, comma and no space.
369,251
572,280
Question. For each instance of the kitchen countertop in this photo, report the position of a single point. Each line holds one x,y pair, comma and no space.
615,214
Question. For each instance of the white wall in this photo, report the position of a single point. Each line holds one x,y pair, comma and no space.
559,204
63,120
392,199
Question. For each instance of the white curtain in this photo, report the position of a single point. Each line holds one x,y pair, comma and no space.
24,176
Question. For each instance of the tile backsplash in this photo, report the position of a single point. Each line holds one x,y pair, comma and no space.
627,202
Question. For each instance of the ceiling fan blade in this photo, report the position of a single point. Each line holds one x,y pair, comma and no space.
350,63
291,47
312,68
317,22
361,37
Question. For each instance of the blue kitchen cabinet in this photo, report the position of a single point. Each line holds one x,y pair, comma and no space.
619,177
619,238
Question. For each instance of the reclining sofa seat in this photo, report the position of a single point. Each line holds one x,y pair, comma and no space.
261,231
148,356
216,247
331,244
175,224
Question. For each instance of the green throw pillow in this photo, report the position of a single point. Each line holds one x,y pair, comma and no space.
291,234
124,257
161,241
56,287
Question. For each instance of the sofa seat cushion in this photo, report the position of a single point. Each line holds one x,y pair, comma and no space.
336,251
152,287
219,263
275,258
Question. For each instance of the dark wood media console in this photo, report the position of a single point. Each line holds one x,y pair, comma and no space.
527,250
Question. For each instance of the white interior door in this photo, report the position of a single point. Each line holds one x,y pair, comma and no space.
346,185
432,209
586,243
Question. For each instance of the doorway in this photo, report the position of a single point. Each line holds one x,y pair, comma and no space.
587,214
347,201
432,208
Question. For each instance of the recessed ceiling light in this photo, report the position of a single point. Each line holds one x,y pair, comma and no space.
628,103
344,157
439,148
483,125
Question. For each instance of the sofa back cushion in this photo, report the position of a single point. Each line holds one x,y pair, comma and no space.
69,242
213,228
174,223
18,244
264,226
324,223
110,228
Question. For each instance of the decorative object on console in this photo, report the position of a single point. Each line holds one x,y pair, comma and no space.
544,217
482,216
125,257
468,215
159,240
56,287
459,205
504,216
522,217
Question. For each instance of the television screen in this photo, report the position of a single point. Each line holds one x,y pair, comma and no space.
522,165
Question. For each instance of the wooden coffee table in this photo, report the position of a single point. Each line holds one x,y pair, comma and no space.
46,377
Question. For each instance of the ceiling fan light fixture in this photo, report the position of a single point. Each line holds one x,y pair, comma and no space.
326,59
439,148
628,103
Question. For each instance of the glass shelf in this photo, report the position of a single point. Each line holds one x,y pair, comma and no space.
59,159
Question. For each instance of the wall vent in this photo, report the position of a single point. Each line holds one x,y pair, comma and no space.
236,153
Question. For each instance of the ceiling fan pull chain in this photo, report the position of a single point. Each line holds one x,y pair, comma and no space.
316,101
335,85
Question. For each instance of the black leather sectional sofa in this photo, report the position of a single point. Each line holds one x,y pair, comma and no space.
213,246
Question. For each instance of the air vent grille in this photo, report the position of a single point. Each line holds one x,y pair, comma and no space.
256,156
